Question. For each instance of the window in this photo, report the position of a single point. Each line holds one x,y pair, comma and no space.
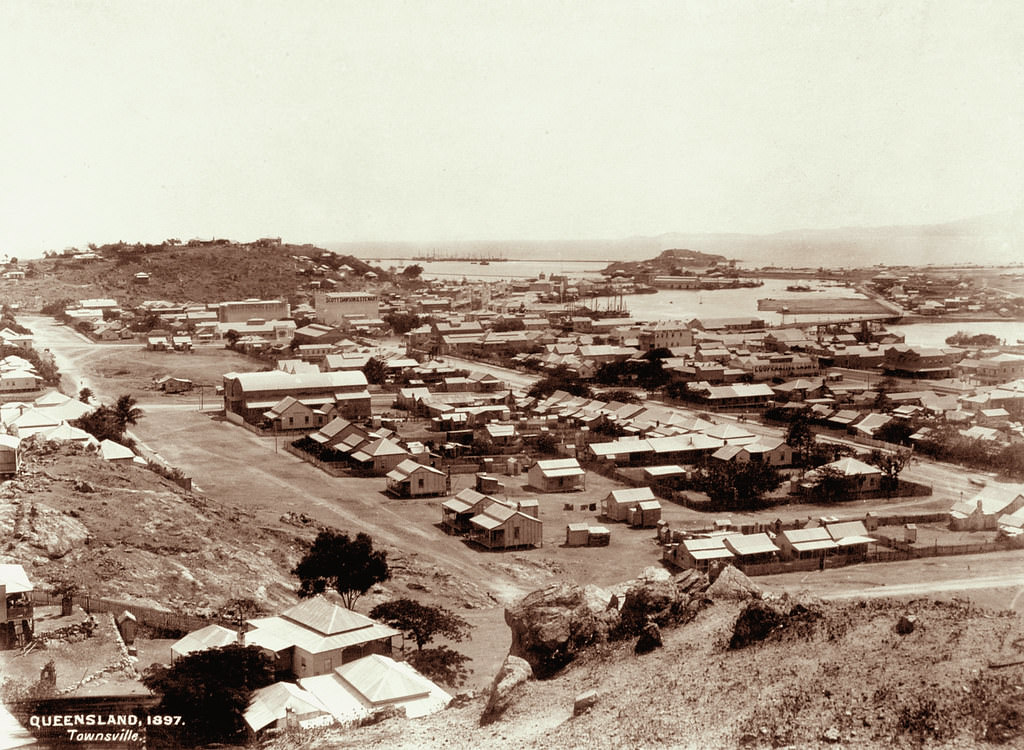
515,533
420,483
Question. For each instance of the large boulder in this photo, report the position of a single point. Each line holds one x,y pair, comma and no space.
650,639
665,601
55,533
760,619
733,584
757,620
506,686
552,624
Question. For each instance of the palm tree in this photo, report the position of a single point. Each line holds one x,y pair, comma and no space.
126,412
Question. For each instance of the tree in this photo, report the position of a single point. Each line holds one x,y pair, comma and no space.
884,387
895,431
413,271
349,566
231,336
623,397
509,324
421,622
126,411
102,423
441,664
733,485
832,485
402,323
85,395
891,465
211,690
374,370
559,379
799,435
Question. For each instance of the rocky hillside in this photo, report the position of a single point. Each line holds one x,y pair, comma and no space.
204,273
127,533
735,670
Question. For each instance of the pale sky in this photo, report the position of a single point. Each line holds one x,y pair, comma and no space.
439,120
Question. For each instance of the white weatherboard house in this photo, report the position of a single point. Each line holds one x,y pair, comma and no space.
354,691
557,475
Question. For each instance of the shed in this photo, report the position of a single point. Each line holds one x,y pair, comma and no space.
212,636
530,507
645,514
284,706
598,536
577,535
489,484
662,473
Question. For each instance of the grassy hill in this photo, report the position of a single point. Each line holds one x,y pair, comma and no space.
220,270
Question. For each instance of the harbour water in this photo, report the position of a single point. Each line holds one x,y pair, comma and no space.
935,334
686,304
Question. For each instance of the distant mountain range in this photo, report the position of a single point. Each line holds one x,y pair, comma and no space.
993,239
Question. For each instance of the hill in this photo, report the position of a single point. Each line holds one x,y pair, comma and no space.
209,272
840,677
127,533
668,262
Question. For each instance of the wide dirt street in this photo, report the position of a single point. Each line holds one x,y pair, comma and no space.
238,468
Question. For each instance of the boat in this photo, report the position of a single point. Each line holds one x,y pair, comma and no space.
798,288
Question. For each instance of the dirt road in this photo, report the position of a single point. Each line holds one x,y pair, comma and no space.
993,580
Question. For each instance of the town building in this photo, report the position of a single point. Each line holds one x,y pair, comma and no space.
248,395
665,334
336,308
243,310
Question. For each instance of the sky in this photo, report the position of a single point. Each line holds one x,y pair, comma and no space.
440,121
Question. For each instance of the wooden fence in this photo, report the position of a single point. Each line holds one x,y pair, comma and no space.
334,468
145,615
900,553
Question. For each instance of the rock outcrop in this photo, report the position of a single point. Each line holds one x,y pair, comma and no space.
760,619
554,623
513,674
732,584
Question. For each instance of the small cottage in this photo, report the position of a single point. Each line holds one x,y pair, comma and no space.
502,527
412,479
617,504
557,475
